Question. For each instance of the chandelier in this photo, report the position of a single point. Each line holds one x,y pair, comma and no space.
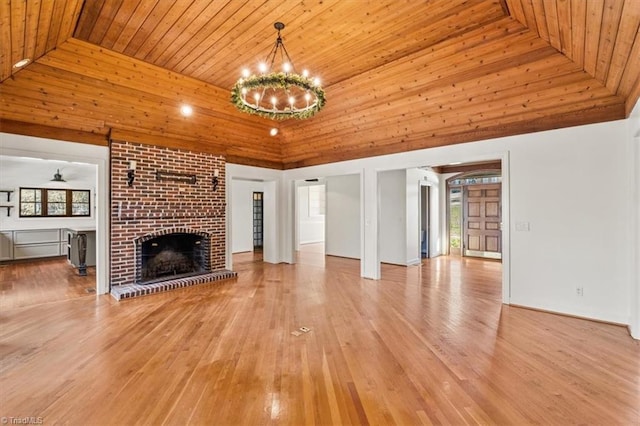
278,94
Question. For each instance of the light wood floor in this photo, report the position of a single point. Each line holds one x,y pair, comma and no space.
39,281
424,345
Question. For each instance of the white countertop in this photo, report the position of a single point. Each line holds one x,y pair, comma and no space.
82,229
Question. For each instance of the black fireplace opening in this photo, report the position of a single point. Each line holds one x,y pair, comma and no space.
172,256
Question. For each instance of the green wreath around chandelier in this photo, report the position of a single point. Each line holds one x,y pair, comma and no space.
286,82
278,95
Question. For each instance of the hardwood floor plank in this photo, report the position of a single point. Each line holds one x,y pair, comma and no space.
38,281
429,344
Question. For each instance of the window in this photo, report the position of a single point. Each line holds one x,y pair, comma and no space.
30,202
475,180
455,219
43,202
56,202
80,203
316,200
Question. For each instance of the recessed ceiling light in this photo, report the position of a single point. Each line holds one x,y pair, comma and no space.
21,63
273,131
186,110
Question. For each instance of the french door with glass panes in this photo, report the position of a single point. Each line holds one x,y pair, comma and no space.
258,219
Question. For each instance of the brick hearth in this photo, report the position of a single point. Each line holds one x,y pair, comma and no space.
128,291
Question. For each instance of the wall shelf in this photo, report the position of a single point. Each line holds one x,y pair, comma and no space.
8,192
8,209
176,177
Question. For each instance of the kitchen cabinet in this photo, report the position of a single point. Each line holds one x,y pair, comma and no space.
32,243
6,245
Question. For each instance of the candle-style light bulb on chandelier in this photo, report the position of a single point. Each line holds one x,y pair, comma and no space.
278,94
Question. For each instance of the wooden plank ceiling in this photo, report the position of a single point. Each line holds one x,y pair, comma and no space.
399,75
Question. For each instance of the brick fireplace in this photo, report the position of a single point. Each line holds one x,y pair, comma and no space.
172,193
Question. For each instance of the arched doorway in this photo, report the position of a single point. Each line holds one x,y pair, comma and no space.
474,213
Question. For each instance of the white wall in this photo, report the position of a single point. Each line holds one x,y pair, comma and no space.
342,216
568,186
392,195
17,172
571,185
399,211
634,253
276,213
242,212
400,230
310,228
412,207
437,216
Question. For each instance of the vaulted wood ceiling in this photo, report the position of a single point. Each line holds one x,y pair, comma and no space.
399,75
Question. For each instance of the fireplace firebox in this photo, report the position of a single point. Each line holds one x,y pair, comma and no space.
171,256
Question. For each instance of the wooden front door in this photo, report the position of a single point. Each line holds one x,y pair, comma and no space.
482,221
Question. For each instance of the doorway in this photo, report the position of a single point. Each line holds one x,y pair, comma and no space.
424,222
475,214
258,221
310,216
28,253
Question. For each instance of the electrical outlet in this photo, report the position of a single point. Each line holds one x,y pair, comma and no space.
579,291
